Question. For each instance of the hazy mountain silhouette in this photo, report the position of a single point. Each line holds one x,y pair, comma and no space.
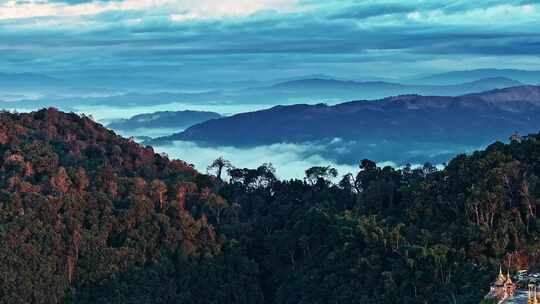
311,90
406,121
456,77
164,119
334,89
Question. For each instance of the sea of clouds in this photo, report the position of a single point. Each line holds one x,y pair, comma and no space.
290,160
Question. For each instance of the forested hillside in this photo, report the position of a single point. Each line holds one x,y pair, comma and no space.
83,211
89,217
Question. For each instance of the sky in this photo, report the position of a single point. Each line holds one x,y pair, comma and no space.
143,44
243,40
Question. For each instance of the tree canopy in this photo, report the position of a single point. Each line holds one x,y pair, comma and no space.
89,217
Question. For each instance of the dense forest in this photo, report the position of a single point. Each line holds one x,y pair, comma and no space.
87,216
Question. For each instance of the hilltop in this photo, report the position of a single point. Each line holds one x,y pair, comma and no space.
87,216
164,119
401,124
82,207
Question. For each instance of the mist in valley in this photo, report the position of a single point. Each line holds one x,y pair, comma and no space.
290,159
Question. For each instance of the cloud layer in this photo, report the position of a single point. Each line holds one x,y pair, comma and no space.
290,160
178,40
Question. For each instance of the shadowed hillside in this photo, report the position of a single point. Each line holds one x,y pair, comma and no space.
89,217
82,207
469,118
391,129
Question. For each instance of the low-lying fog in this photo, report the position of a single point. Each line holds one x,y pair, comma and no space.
142,133
290,160
109,113
105,114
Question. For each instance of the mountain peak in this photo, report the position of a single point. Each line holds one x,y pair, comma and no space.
457,77
529,93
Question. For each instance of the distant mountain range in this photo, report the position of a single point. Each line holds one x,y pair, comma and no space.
456,77
165,119
290,92
342,90
397,123
63,82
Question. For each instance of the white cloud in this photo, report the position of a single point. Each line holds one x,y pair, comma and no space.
209,9
31,9
492,15
528,8
107,113
178,10
290,160
414,16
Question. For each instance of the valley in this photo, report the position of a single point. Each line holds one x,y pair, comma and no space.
269,152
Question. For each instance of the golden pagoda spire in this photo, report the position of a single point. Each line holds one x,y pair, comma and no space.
501,278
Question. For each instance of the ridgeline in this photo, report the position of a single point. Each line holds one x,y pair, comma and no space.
87,216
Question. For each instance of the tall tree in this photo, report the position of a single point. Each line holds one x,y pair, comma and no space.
218,165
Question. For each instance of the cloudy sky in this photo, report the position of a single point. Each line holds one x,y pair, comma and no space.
265,39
